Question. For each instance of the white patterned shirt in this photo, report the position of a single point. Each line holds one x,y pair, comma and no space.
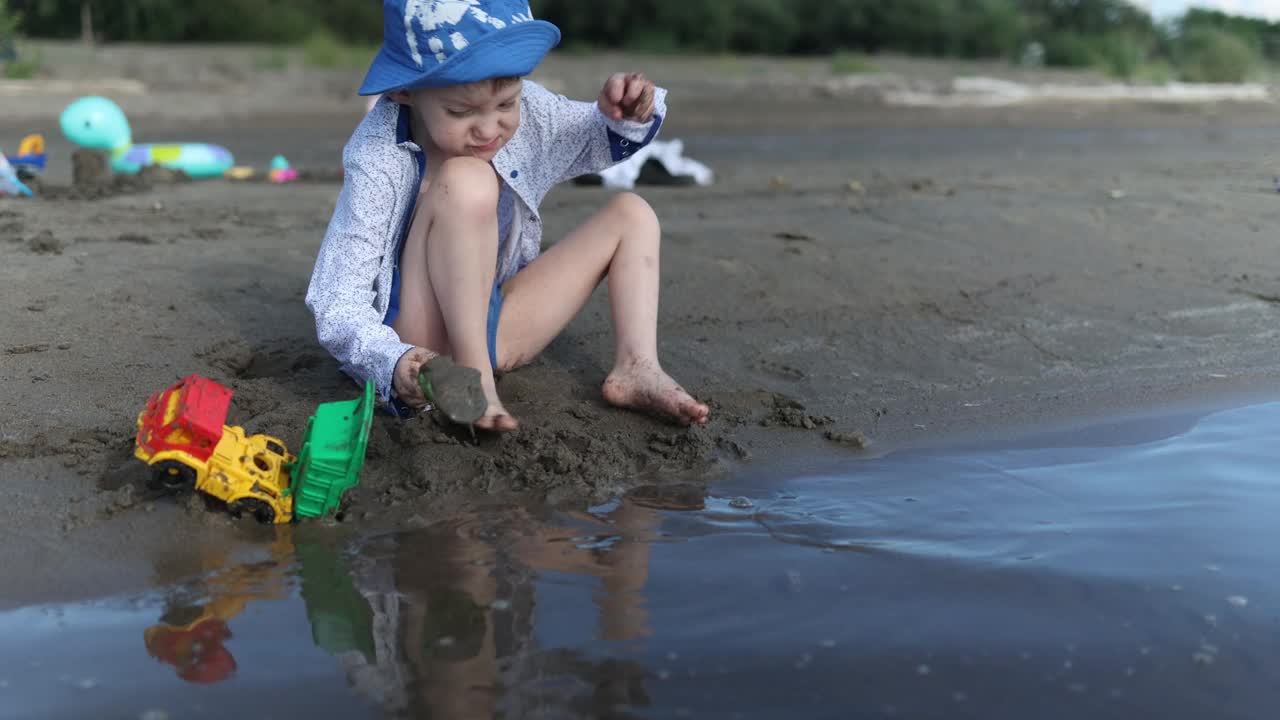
558,139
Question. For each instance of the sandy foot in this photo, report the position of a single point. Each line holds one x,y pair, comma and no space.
642,385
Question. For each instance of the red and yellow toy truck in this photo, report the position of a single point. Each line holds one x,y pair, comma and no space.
182,435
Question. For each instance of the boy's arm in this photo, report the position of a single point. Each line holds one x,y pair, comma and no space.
341,293
581,139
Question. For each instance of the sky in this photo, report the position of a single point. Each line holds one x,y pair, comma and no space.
1168,8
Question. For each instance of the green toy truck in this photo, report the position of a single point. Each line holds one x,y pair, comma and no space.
332,454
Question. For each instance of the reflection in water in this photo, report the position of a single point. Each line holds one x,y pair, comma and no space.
194,627
1085,578
439,622
456,607
195,649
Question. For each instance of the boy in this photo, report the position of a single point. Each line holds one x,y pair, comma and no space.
434,244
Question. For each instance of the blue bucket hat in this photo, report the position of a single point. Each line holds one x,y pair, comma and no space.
435,43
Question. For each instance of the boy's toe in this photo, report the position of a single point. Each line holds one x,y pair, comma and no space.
501,423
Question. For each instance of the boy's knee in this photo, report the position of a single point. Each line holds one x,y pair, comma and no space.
466,185
634,208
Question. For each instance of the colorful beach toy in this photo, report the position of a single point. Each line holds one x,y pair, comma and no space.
98,123
31,158
182,434
9,182
280,171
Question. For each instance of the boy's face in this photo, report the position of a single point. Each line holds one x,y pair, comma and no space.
473,120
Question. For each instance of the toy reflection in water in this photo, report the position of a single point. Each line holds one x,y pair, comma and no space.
191,639
193,633
191,636
442,621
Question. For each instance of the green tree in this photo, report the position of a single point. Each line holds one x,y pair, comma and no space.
1089,17
1262,35
604,23
1113,34
8,27
763,26
8,34
988,29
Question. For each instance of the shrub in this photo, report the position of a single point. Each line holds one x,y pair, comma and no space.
851,63
1156,72
1214,56
276,60
1067,49
1119,55
22,69
322,50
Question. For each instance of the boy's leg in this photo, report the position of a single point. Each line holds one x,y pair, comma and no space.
620,242
447,273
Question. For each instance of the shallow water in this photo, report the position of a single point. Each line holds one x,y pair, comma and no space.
1120,571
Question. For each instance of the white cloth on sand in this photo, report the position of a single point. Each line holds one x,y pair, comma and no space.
9,182
669,152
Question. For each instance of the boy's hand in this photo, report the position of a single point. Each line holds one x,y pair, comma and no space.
627,95
406,376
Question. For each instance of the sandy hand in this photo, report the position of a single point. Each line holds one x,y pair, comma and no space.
627,95
642,385
405,378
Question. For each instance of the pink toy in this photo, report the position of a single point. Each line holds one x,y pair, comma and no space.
280,171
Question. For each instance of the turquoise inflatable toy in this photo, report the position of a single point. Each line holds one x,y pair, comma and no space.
98,123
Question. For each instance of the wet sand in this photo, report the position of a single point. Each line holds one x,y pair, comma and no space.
914,277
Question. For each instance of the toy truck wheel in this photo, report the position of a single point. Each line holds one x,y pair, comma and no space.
172,476
260,510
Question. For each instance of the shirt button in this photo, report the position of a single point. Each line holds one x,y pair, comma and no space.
515,174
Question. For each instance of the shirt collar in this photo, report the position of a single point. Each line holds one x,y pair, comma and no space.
403,117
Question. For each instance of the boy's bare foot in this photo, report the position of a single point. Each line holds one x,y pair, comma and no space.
496,418
642,385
